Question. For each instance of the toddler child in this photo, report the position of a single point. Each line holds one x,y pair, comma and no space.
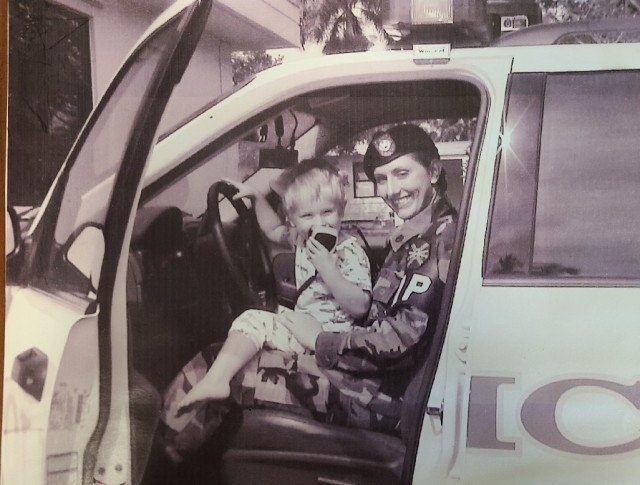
334,287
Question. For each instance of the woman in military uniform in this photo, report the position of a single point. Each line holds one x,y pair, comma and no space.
354,378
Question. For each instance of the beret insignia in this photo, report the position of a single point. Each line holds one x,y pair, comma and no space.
385,145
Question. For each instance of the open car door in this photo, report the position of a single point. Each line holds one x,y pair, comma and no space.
66,413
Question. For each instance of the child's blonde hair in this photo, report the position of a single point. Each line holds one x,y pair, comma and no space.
303,184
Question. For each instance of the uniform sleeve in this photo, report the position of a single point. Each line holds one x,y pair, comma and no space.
373,348
396,327
446,234
354,264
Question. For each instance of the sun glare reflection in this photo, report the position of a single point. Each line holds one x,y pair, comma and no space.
505,140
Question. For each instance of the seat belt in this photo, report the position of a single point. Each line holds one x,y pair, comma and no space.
304,286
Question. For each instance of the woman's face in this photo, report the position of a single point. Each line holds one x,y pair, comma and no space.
406,185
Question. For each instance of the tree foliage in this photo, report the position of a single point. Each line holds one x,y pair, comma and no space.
573,10
339,25
245,64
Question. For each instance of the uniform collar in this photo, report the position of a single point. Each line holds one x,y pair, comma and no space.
411,228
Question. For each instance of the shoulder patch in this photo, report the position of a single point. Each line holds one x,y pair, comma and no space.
444,222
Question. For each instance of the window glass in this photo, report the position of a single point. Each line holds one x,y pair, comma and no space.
362,186
91,178
571,210
49,97
587,221
92,175
510,242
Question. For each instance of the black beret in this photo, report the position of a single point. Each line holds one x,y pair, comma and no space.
400,140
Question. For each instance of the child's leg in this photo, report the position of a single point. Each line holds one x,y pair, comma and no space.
250,332
237,350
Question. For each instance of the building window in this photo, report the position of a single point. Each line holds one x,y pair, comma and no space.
362,186
50,93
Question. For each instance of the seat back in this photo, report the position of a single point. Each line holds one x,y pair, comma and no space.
284,273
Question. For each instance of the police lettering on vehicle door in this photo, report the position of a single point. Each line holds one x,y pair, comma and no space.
540,419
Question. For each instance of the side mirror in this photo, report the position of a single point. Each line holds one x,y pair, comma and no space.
14,250
86,253
11,231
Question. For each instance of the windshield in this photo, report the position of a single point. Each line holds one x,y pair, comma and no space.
336,123
176,126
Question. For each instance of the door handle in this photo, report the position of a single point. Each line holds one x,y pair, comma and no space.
30,371
436,411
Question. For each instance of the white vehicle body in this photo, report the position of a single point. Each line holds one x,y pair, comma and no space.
536,376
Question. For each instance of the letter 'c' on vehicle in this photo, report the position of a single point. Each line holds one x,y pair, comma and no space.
538,415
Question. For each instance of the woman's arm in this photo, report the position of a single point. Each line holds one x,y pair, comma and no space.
368,349
406,304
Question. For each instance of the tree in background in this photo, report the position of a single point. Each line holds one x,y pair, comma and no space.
339,25
573,10
245,64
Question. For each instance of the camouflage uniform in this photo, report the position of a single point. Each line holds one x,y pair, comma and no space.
355,378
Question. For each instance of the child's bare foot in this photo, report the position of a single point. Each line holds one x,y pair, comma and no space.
201,393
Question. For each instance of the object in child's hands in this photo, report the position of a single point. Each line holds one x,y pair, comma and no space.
327,236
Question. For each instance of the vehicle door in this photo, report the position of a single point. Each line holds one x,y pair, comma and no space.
545,315
66,404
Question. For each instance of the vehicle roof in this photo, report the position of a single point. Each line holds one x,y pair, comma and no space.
314,74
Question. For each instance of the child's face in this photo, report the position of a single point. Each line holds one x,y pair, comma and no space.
323,212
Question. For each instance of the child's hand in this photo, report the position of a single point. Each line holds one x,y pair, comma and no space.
304,327
244,190
323,260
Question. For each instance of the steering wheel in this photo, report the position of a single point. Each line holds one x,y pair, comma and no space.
248,263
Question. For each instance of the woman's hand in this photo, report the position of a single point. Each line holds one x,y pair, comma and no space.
244,190
304,327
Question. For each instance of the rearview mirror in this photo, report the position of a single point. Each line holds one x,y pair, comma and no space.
279,157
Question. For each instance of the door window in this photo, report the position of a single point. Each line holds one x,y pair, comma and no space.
83,193
568,185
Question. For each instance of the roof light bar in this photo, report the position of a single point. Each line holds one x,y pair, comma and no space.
427,12
460,22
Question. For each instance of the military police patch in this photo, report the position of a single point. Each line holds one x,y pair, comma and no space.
418,254
385,145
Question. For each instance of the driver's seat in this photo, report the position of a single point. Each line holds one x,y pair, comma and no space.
275,447
269,446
